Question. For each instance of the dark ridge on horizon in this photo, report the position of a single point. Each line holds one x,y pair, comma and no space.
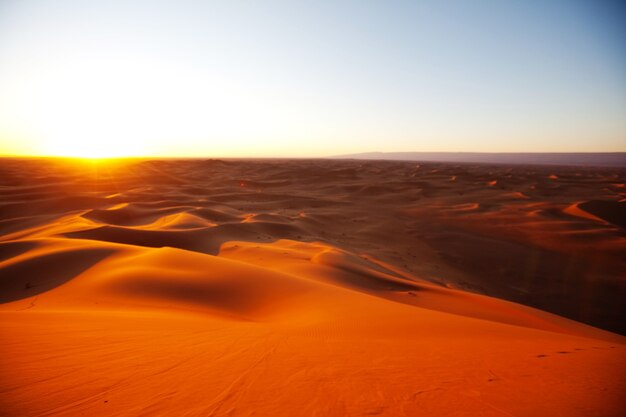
599,159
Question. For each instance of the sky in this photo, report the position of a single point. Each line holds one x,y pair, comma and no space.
310,78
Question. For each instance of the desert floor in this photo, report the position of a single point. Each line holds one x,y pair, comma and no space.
311,288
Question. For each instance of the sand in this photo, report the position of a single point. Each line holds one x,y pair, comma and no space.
310,288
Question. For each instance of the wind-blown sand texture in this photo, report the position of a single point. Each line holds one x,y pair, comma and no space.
310,288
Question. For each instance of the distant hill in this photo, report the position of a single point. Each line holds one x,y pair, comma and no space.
604,159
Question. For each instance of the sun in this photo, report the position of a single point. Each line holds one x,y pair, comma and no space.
92,145
102,109
94,111
98,126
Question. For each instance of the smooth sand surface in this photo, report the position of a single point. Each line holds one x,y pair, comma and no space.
310,288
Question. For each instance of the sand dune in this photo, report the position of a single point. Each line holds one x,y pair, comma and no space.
334,288
610,211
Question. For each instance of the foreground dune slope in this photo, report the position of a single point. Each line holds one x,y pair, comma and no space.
285,328
117,303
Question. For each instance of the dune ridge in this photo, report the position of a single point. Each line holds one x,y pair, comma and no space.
282,287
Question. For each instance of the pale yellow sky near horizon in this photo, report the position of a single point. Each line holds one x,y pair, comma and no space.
287,79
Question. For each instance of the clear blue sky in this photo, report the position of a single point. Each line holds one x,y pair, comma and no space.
311,78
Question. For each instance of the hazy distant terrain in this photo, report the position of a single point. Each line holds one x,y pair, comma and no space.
599,159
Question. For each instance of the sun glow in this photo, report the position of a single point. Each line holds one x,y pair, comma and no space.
96,108
92,145
90,111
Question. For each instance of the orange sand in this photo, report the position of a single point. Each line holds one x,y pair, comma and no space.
307,288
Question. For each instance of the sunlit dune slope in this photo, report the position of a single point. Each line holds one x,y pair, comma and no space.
237,288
